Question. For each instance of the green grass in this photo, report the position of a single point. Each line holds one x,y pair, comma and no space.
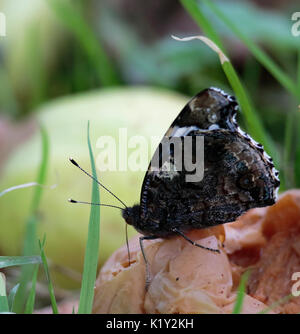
20,186
11,296
50,284
256,51
10,261
276,304
241,293
253,121
7,303
29,308
298,71
20,299
4,307
90,44
30,240
92,246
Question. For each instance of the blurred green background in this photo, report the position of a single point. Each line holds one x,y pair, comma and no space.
55,48
113,62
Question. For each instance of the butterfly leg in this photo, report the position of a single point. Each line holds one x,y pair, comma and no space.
193,242
148,276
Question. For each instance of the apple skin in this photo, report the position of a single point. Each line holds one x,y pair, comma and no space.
142,111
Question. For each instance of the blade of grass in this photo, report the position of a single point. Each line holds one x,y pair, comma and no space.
21,186
3,298
241,293
277,303
47,273
11,296
41,180
11,261
96,54
253,121
257,52
92,246
30,239
298,72
29,308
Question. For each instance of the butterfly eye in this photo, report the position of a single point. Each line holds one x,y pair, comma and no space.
247,181
212,117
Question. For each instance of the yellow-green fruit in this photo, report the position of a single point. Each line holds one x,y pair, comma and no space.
143,112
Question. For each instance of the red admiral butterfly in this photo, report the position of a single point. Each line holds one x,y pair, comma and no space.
238,175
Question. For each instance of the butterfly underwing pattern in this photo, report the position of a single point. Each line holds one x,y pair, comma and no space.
238,174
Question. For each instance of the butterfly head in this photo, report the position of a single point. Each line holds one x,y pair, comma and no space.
131,215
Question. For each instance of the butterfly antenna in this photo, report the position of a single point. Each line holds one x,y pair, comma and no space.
99,204
127,244
100,184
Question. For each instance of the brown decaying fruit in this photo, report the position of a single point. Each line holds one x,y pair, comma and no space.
187,279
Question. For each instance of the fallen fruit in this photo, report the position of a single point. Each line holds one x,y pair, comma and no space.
186,279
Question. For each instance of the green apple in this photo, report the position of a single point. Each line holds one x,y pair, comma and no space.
144,112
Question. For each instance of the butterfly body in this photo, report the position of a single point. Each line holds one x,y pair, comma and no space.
238,174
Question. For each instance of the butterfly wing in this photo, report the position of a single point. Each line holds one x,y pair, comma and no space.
237,176
208,110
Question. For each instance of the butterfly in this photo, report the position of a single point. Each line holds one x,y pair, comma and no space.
237,174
